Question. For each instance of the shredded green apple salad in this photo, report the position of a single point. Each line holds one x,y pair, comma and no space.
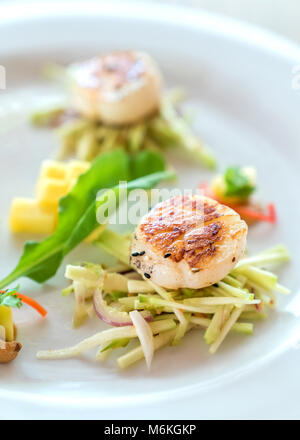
87,139
137,309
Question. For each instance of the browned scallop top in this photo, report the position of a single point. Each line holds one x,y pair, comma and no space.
187,227
111,71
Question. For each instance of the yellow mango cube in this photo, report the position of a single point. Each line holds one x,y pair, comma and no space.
49,191
53,169
27,216
75,168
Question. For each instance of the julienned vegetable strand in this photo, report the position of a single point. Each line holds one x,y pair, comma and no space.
234,189
219,309
12,298
77,213
32,303
88,139
103,338
145,336
185,137
269,217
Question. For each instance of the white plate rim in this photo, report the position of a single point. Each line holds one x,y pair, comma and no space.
12,14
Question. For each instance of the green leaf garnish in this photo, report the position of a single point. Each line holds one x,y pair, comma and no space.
9,298
77,212
237,183
146,162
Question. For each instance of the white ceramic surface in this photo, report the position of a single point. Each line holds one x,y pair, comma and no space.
239,80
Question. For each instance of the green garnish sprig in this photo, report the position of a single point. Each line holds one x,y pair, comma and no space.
9,298
238,183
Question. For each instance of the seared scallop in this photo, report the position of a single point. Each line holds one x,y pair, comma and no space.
188,241
119,88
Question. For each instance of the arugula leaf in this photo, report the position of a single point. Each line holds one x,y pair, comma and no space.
77,215
9,298
146,162
40,261
88,222
237,183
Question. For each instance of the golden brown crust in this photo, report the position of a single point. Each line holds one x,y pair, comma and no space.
188,228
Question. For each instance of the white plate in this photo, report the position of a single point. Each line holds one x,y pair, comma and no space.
239,80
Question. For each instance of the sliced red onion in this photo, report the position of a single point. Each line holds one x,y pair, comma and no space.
112,316
144,334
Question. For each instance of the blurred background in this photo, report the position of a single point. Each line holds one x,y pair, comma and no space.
282,16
